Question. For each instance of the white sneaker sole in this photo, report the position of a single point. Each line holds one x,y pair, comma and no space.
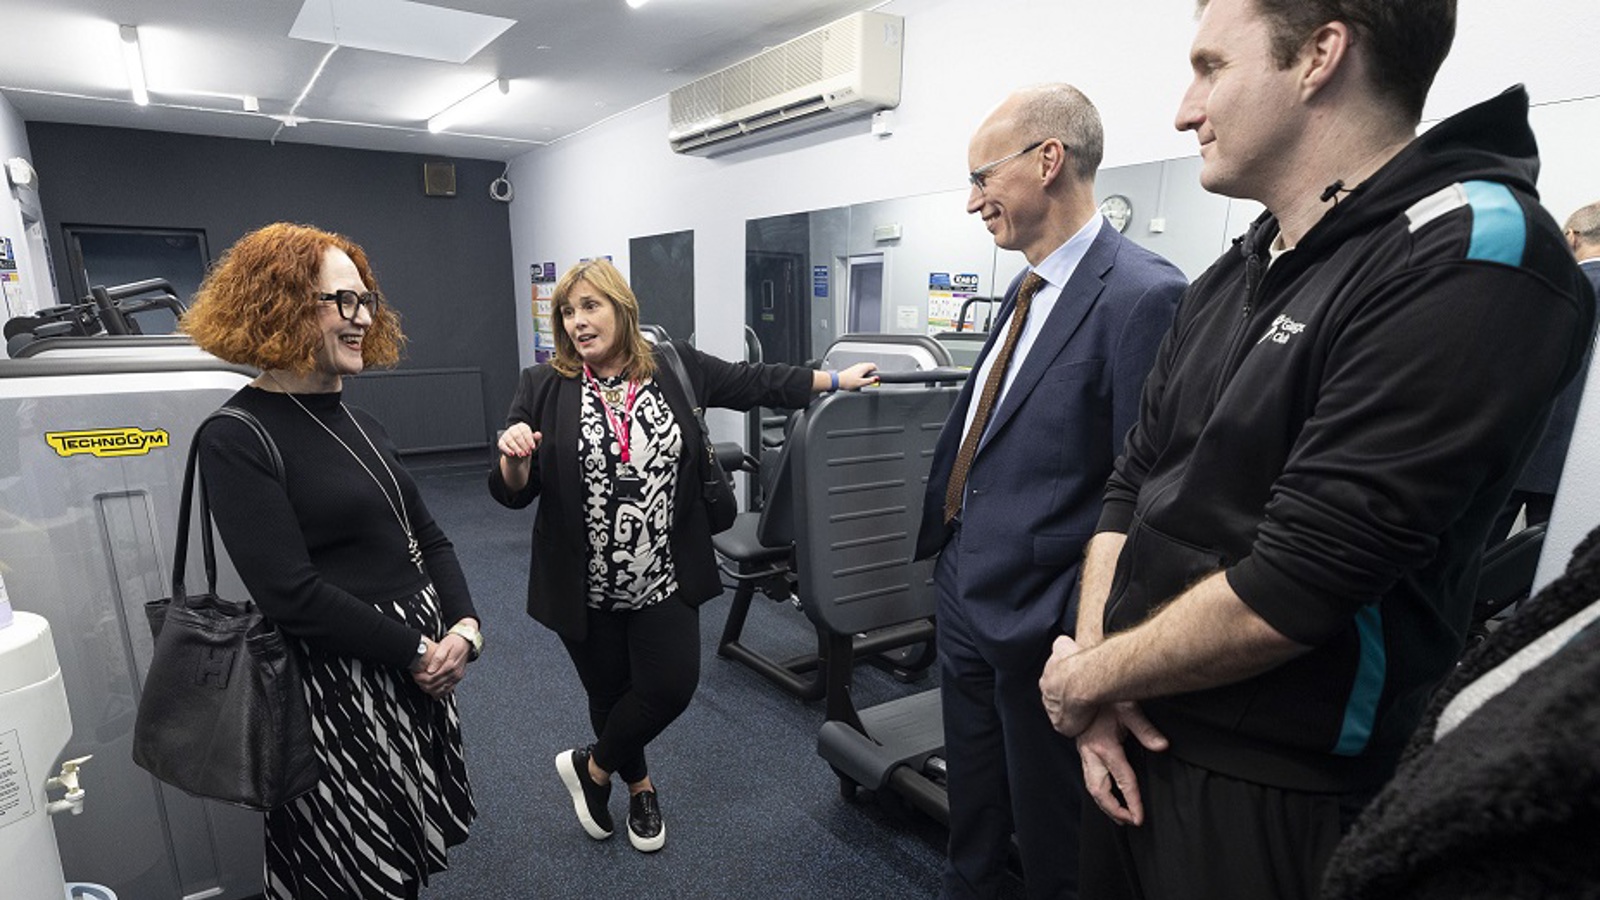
648,845
580,804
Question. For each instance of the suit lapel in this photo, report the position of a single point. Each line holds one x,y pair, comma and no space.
1078,297
569,469
677,396
997,332
969,391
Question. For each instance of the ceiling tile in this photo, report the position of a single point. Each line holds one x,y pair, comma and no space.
400,27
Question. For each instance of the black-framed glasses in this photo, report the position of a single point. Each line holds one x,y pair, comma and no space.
350,301
979,176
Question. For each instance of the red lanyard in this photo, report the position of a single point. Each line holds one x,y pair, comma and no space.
624,437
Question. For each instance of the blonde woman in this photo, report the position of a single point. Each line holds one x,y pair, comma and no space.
622,554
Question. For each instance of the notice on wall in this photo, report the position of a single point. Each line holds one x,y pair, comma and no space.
946,293
544,283
819,282
16,797
10,279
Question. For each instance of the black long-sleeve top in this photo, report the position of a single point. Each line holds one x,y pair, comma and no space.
322,552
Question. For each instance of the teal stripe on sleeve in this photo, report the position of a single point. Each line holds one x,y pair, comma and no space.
1499,231
1361,710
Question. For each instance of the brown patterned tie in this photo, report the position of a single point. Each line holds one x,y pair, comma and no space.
991,389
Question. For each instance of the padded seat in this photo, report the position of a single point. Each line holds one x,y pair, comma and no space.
741,545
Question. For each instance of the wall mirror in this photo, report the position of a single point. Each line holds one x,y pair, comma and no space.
909,265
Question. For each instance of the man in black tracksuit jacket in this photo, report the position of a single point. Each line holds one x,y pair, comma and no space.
1288,550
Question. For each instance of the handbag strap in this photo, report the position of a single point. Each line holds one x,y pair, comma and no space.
180,556
675,363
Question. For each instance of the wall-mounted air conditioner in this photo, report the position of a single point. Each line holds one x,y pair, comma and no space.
847,69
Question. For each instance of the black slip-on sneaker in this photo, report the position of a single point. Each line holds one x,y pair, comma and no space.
646,831
588,799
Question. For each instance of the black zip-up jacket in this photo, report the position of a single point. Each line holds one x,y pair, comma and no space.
1336,432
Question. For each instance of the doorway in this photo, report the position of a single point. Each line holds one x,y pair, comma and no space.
864,313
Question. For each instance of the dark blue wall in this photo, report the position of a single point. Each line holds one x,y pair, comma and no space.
444,262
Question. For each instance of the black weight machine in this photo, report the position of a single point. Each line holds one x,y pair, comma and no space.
113,310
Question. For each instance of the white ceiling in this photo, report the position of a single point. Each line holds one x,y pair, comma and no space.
570,63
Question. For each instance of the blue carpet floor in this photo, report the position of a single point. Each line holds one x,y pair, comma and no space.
751,810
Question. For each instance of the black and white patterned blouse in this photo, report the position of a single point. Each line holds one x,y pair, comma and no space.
628,506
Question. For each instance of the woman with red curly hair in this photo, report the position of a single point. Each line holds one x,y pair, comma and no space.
343,555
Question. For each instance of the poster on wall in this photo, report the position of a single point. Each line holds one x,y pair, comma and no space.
946,293
10,279
544,283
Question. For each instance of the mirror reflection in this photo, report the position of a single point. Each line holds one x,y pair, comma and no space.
923,265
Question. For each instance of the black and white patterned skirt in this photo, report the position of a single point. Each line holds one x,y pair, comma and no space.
394,791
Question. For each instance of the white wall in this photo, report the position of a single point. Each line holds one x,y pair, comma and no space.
37,274
590,193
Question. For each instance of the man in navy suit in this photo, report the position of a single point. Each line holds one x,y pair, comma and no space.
1536,489
1009,512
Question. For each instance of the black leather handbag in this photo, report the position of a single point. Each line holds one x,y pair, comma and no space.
716,490
223,713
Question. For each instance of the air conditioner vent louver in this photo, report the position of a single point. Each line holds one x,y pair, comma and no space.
844,70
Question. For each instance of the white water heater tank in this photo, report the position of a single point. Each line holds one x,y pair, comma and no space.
34,727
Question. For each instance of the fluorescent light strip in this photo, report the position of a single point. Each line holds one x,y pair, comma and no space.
452,113
300,120
135,65
295,107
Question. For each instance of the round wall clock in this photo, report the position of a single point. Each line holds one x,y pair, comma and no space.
1118,210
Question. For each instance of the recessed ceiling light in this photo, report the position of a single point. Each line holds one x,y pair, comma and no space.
635,4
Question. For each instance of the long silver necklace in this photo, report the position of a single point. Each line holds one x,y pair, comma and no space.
401,514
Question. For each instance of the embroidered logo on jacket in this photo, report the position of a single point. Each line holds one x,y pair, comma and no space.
1281,330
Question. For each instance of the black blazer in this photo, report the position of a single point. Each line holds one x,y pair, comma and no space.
1035,486
550,403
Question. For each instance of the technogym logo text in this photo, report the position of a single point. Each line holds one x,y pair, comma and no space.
107,441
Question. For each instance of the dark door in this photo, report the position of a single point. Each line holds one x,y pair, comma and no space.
776,305
662,267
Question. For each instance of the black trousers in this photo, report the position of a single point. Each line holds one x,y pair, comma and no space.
640,669
1009,771
1206,835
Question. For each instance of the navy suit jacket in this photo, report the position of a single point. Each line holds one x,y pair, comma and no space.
1543,471
1036,483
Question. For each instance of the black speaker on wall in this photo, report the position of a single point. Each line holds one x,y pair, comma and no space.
439,179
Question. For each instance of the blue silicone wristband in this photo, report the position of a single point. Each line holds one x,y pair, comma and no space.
835,377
